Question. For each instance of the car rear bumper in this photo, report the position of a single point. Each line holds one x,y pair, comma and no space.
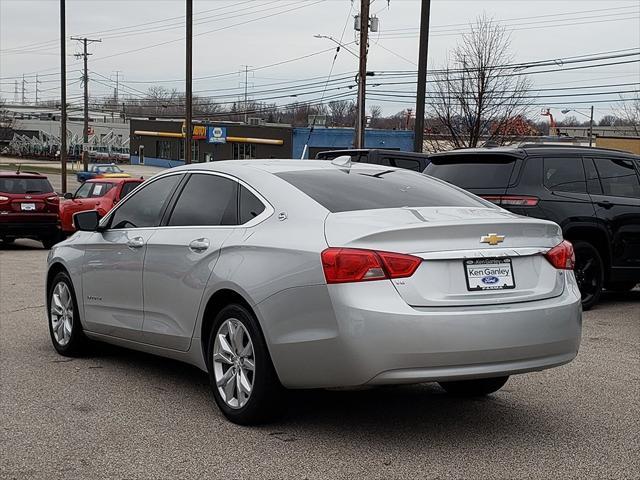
358,334
22,229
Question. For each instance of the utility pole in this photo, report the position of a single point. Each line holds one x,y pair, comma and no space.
591,128
63,98
115,93
188,134
23,85
85,77
362,73
15,92
418,136
246,93
37,82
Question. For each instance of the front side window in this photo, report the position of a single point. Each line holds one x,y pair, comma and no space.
207,200
144,209
342,191
84,191
564,174
618,177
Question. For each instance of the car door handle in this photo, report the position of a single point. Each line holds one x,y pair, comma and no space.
136,242
605,204
199,245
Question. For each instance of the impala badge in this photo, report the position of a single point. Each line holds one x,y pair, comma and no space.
492,239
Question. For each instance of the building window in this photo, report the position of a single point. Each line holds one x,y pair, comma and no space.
243,151
163,149
195,150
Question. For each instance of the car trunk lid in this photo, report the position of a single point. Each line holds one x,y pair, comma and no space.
455,243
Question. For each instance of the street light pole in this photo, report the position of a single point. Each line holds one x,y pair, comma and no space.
590,117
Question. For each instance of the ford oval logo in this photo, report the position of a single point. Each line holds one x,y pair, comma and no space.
490,280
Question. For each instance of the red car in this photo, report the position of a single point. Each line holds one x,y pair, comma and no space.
28,208
99,194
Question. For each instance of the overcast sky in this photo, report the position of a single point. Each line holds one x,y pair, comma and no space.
260,33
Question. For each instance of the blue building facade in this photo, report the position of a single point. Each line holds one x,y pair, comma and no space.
339,138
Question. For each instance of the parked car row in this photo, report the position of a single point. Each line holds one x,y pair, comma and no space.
30,208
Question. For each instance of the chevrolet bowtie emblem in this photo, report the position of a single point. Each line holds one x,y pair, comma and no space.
492,239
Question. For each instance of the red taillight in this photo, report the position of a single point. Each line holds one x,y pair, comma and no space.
562,256
512,200
342,265
53,199
3,199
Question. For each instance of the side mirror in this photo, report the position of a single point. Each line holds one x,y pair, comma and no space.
86,221
68,196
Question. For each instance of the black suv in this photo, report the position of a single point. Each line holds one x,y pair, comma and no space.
391,158
592,193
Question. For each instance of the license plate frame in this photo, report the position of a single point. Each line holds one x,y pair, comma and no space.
489,274
28,207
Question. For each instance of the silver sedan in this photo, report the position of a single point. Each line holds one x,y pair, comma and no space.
314,274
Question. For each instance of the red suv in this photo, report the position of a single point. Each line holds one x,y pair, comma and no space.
28,208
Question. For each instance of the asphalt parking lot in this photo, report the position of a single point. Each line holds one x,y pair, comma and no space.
121,414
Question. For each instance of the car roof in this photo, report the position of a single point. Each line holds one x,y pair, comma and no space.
278,166
114,180
8,173
525,150
381,150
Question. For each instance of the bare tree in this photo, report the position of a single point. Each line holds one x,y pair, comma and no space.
375,112
628,111
477,94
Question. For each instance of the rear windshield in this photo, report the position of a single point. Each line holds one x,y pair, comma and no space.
469,172
25,185
343,191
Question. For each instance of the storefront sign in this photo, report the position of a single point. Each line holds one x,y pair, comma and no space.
216,135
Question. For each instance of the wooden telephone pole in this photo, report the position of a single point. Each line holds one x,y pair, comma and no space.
63,98
418,137
361,122
188,133
85,77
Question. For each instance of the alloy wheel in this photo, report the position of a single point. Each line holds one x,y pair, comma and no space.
61,313
234,363
587,274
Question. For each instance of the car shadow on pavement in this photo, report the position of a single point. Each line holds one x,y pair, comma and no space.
21,245
377,412
609,298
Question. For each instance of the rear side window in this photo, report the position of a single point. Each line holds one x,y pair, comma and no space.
407,163
20,185
250,205
473,171
207,200
342,191
564,174
145,208
618,177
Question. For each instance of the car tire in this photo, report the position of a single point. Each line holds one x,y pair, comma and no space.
474,388
621,286
589,271
65,328
238,361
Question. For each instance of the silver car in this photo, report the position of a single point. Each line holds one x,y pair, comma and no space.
315,274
